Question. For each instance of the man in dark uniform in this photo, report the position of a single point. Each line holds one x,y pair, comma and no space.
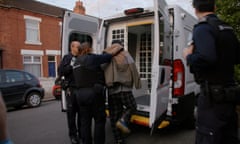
90,95
66,69
213,67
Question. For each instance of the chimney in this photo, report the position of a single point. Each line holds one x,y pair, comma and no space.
79,8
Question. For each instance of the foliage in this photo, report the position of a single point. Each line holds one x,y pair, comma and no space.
229,11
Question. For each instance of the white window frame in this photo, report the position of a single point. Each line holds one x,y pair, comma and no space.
32,53
38,20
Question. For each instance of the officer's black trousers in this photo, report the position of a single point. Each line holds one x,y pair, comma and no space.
73,117
91,106
216,123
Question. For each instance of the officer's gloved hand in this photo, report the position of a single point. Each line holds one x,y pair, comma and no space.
114,49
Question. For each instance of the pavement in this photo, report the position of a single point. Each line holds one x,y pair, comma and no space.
47,84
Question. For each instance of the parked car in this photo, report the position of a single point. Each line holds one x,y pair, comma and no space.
19,88
57,89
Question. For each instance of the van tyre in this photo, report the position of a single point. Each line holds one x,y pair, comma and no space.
33,99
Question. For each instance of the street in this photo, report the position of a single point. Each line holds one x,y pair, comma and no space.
47,125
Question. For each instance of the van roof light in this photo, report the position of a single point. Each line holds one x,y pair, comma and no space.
133,11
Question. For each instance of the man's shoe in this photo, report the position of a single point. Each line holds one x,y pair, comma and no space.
123,126
74,140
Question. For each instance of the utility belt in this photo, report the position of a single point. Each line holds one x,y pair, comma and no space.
223,94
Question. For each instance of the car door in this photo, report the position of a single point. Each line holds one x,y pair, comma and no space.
161,72
13,86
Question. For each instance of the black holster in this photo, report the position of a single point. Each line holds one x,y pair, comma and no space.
223,94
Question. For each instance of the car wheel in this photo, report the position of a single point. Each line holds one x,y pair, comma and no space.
33,99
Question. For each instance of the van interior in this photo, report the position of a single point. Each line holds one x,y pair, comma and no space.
140,46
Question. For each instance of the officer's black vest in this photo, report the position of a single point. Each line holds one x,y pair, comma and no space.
85,76
228,52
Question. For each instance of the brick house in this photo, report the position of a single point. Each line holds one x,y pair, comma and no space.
30,36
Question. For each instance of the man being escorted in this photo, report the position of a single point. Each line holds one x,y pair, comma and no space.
211,57
120,75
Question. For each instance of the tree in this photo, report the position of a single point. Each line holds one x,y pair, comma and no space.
229,11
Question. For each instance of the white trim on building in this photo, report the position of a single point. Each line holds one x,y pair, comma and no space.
32,18
53,52
32,52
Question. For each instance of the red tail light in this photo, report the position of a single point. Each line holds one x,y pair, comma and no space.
178,78
133,11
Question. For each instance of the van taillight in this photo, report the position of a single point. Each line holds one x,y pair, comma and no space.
133,11
178,78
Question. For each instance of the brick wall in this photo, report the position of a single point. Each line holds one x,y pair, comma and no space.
13,36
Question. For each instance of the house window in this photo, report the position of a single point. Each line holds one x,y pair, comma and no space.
32,30
32,64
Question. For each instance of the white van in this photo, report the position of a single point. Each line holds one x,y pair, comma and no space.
155,37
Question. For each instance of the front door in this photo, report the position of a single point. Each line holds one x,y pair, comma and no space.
51,66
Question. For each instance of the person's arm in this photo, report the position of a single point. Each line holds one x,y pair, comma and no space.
204,55
65,68
103,58
3,123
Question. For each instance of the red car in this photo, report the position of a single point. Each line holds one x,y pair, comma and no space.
57,90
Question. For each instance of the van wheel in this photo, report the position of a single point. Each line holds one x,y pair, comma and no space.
33,99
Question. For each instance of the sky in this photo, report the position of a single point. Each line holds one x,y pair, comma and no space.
106,8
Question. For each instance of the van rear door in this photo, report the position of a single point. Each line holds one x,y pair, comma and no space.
161,66
81,28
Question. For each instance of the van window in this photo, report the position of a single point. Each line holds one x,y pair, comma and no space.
161,42
118,34
81,38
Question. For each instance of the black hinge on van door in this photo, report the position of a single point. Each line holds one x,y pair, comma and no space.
69,14
162,76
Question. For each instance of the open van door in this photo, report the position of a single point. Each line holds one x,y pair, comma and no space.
161,66
81,28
